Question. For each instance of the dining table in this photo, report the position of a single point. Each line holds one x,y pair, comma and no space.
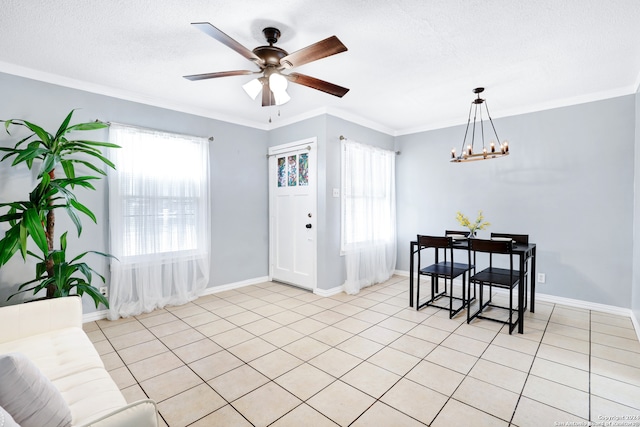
525,252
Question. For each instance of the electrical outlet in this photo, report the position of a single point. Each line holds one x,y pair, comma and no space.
336,192
103,291
542,278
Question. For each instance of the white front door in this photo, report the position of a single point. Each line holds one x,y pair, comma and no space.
292,213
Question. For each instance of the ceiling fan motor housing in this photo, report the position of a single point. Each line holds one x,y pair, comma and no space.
271,55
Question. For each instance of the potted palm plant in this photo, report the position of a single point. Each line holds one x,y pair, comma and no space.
34,219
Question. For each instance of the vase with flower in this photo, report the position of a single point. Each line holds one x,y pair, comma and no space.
478,224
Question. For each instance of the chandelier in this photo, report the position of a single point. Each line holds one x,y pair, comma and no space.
467,153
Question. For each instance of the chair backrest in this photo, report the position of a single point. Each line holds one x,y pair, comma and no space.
437,243
463,233
434,242
518,238
491,247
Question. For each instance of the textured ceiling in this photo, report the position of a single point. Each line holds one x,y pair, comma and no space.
411,64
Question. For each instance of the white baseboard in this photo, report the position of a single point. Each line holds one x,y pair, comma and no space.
234,285
636,324
94,315
610,309
328,292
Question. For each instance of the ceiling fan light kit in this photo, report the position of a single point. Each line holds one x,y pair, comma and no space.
272,61
253,87
467,153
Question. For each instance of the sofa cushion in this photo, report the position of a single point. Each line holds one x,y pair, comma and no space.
6,420
68,358
57,353
90,394
29,396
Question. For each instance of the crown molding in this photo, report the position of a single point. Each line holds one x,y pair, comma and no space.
112,92
59,80
566,102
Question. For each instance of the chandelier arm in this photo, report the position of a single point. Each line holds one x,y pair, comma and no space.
466,130
473,134
486,106
484,147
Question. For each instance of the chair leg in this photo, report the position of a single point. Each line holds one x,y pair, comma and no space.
480,300
434,288
450,295
418,292
469,306
510,310
465,302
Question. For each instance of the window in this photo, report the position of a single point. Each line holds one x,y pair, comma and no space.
161,192
159,218
368,202
368,215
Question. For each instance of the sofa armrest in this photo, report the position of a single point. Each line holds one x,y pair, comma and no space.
38,317
142,413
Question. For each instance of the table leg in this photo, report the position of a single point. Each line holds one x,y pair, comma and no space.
411,274
521,291
532,307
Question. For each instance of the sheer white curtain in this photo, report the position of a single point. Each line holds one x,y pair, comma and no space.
368,214
159,217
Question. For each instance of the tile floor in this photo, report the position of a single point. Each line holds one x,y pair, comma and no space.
274,355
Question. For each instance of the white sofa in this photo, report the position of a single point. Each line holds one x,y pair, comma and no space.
49,333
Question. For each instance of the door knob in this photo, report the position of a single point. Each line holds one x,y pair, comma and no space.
308,225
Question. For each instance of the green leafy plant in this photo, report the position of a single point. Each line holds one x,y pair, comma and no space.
65,278
34,219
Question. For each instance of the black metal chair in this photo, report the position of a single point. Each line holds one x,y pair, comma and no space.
492,276
524,240
447,270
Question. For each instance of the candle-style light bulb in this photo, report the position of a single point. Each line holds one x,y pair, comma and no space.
493,147
469,151
484,152
506,146
453,153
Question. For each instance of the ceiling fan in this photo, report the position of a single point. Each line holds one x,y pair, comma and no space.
272,61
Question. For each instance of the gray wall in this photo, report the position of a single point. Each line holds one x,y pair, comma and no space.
635,302
327,129
238,169
568,183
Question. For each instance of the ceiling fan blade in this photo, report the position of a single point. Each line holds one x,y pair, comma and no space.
223,38
322,49
318,84
195,77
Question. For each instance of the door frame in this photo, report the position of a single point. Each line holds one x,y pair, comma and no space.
312,144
